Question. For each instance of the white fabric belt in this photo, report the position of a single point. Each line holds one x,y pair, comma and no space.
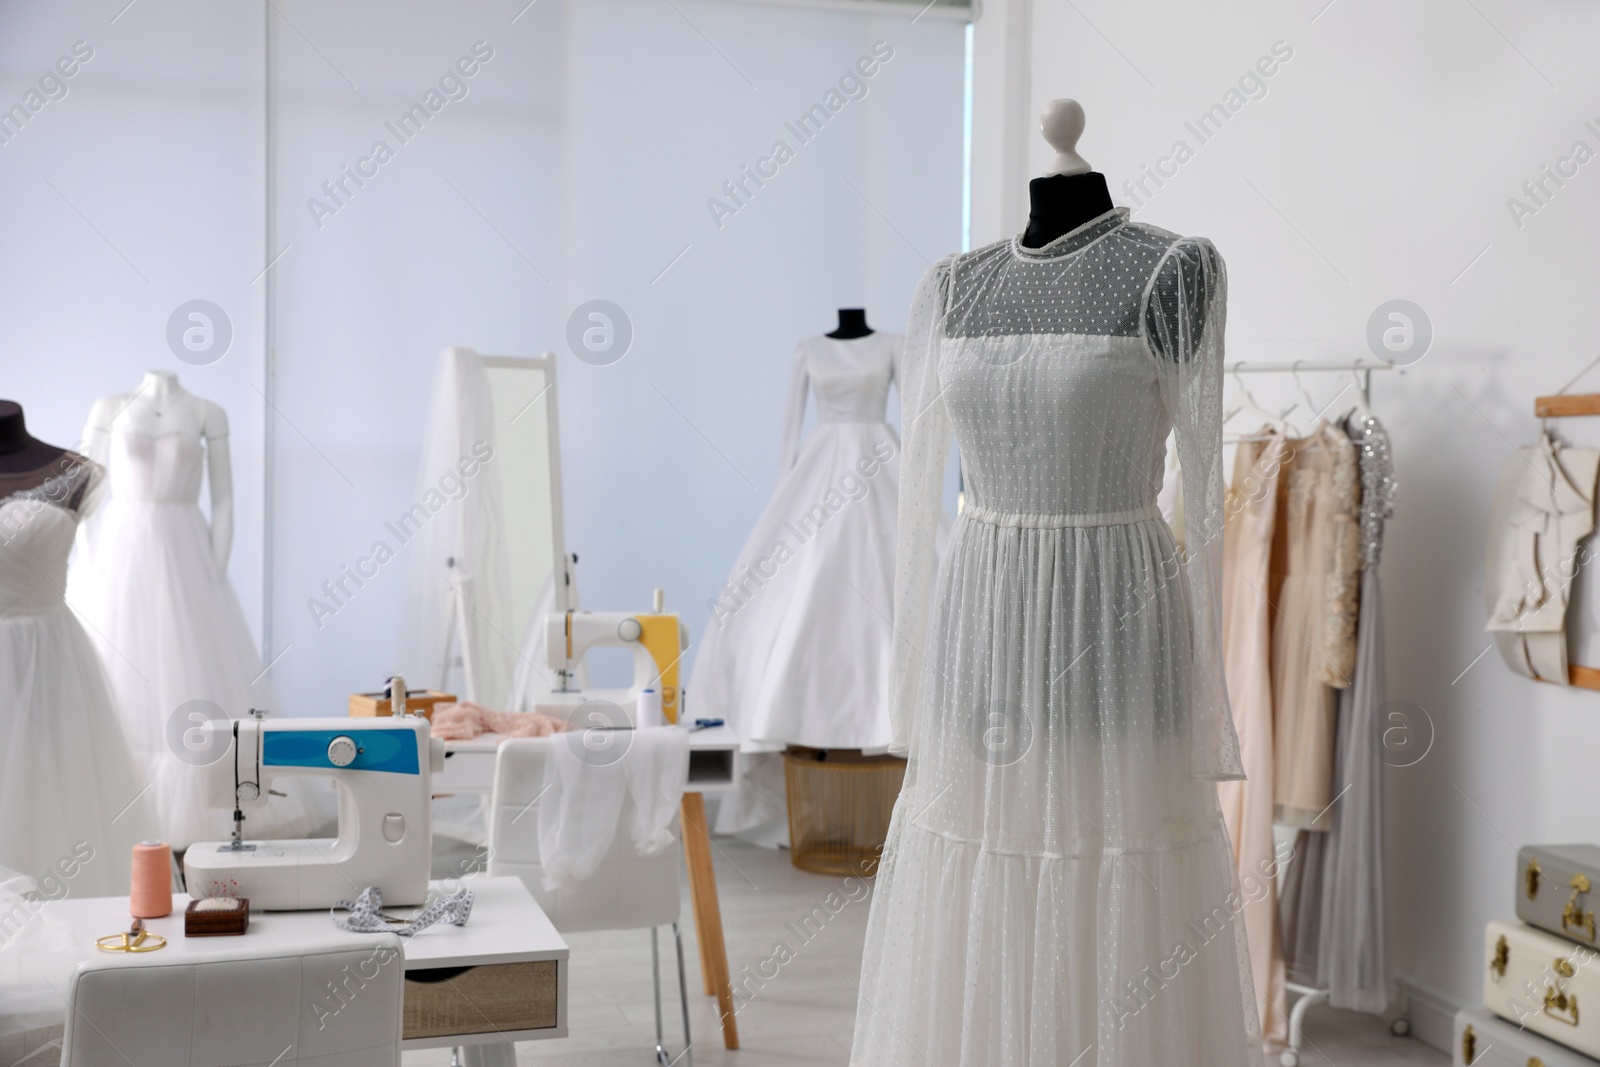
992,517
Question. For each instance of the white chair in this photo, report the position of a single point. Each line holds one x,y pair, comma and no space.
627,892
260,1003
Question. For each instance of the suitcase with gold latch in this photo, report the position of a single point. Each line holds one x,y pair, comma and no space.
1484,1040
1558,887
1544,983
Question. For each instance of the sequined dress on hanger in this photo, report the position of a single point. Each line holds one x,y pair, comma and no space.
1057,887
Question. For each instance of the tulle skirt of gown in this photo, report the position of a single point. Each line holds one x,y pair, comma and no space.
177,649
73,800
1057,886
798,649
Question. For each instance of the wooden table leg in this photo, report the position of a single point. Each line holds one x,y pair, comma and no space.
708,913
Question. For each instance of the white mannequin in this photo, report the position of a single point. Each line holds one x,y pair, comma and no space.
1061,122
161,406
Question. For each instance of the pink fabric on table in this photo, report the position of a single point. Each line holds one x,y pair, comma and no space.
464,721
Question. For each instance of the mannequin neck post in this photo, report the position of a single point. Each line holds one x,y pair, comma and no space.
852,323
160,384
1060,203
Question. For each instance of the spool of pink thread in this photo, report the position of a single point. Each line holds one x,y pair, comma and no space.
151,895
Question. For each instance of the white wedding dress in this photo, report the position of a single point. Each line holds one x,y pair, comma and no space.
798,649
172,634
1057,887
70,790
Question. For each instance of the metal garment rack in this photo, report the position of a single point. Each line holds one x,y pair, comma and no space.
1362,368
1309,997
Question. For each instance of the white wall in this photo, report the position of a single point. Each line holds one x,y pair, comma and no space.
578,166
137,191
1378,166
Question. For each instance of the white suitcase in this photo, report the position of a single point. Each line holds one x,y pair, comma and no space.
1544,983
1484,1040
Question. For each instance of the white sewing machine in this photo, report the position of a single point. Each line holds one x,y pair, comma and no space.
656,639
384,770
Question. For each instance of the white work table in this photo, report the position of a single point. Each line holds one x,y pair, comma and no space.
508,946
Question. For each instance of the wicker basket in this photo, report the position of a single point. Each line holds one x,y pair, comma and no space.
839,807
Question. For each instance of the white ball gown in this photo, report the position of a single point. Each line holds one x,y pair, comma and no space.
798,647
1057,886
171,632
71,792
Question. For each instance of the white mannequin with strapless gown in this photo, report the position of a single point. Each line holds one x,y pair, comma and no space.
155,592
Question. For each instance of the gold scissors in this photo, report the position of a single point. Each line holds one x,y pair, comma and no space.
137,939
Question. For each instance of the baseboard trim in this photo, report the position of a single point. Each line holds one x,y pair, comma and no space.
1431,1013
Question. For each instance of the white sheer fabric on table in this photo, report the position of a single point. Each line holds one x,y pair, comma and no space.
1057,886
586,777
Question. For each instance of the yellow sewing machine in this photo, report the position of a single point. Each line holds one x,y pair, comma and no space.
657,640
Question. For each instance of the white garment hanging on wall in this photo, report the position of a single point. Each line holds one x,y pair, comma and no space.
1543,510
456,571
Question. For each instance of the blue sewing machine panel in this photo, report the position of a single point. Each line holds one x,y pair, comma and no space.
394,751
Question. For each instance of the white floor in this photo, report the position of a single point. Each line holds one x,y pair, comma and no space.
805,1014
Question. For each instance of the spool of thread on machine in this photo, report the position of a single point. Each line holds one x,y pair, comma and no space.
151,894
647,711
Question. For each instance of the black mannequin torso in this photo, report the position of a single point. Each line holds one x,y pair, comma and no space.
19,451
1060,203
27,462
852,324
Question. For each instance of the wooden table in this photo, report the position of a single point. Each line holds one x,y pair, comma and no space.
516,987
713,768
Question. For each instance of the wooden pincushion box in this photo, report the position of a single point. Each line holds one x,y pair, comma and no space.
418,702
204,919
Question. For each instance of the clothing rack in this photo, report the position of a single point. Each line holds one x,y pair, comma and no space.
1362,368
1307,996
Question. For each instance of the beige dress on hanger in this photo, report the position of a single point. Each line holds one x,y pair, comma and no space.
1316,561
1251,510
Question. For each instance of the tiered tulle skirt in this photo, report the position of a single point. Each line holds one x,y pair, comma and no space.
1057,887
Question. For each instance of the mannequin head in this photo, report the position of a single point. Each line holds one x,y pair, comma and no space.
1061,122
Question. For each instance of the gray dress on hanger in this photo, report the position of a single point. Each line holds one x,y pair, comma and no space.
1354,963
1334,931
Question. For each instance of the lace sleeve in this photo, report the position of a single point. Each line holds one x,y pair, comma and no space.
1184,320
925,440
794,415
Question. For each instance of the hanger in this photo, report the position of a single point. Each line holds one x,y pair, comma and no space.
1248,403
1560,404
1363,384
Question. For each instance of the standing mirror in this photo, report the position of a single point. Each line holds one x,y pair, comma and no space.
528,452
489,568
